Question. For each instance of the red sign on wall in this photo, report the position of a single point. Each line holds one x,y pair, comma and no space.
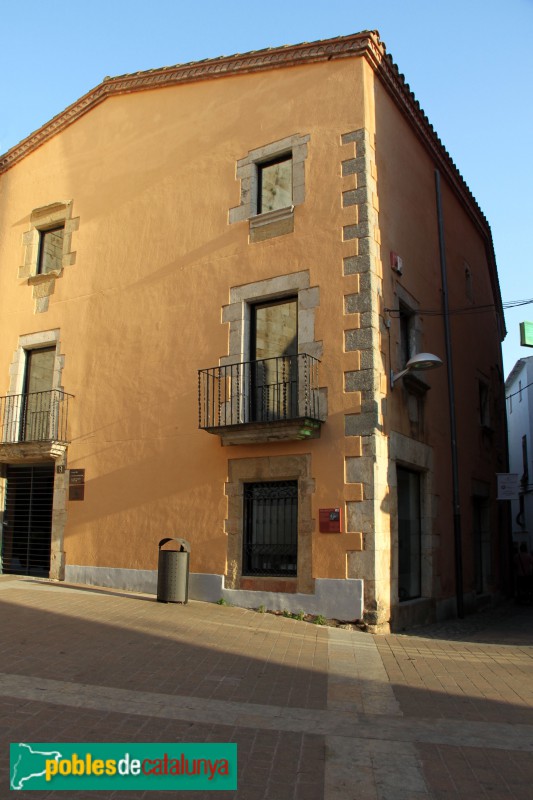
329,520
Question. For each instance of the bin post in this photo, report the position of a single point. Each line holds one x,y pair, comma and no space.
173,572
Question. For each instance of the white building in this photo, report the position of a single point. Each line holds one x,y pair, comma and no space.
519,394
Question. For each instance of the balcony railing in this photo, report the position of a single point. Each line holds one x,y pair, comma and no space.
270,390
34,417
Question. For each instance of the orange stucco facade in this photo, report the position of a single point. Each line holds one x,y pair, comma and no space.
164,261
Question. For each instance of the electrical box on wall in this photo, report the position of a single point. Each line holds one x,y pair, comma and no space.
329,520
396,262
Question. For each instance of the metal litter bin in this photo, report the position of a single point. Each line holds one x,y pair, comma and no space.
173,572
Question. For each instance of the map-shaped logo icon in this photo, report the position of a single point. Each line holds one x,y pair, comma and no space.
28,763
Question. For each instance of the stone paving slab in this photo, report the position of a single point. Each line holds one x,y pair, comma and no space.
318,713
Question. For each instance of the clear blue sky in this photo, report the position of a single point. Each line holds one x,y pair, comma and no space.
469,63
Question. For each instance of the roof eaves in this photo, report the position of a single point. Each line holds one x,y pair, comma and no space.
365,43
395,83
515,372
254,61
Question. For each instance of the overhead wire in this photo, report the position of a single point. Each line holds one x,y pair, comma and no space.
519,391
432,312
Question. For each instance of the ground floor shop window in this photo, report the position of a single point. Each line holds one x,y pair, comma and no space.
409,534
270,542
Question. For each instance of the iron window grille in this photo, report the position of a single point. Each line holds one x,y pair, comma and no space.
270,541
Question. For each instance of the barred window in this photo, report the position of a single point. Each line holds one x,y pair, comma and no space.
270,528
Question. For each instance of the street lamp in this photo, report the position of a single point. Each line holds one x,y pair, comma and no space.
417,363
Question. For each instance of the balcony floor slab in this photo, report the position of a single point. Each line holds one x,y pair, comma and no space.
24,452
259,432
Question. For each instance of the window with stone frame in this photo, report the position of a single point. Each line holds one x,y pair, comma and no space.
48,249
286,556
272,185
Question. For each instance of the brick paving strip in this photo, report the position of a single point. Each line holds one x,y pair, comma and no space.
376,747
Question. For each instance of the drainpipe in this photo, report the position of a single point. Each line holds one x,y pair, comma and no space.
451,403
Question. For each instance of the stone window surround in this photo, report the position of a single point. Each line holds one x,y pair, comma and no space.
43,219
16,451
34,341
271,223
269,468
413,386
238,313
415,332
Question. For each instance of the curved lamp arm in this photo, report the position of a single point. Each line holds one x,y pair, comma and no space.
417,363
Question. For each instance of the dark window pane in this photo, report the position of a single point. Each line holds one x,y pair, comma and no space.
406,335
270,542
484,407
50,250
409,535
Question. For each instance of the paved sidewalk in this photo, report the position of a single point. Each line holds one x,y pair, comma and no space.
475,676
318,713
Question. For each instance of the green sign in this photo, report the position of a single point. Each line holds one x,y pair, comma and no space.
526,334
113,766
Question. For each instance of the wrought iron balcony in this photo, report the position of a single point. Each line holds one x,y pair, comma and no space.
264,400
34,417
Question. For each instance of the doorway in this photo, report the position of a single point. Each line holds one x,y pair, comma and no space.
274,356
409,535
27,527
37,400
